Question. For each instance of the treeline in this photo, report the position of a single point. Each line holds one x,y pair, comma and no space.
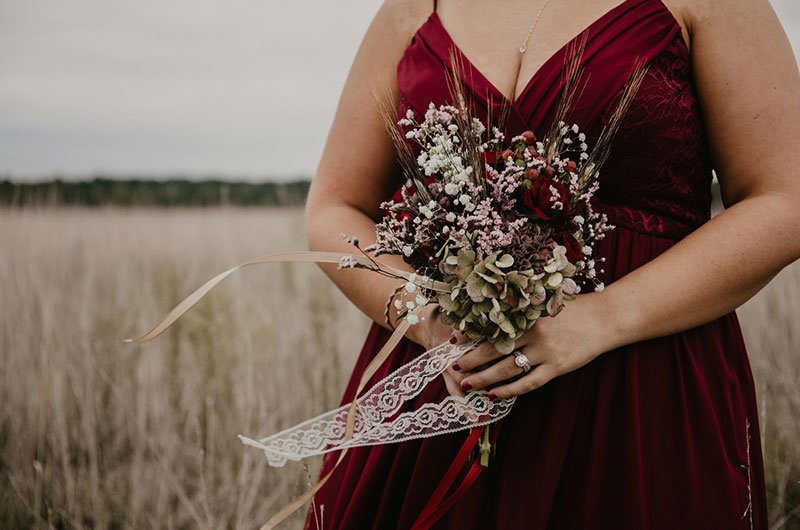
176,192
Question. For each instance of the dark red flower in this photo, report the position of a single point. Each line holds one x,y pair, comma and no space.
573,247
490,157
532,174
538,198
397,198
403,215
529,137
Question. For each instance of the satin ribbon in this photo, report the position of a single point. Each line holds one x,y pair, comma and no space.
431,512
307,256
369,371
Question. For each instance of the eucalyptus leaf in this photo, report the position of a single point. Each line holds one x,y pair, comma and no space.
493,267
504,346
555,279
506,260
517,279
506,325
488,291
474,288
446,302
466,259
488,278
532,314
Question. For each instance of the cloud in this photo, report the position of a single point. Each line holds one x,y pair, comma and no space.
240,88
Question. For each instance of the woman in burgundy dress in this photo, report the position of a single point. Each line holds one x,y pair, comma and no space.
640,411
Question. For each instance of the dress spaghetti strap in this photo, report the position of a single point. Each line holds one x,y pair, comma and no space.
434,6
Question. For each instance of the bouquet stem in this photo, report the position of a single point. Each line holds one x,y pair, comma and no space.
485,446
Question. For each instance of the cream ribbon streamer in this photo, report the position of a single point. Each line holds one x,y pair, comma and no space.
308,256
344,428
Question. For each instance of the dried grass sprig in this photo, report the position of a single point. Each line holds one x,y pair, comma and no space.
403,148
458,93
601,149
571,72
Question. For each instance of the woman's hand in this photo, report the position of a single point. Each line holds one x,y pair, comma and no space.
430,332
554,346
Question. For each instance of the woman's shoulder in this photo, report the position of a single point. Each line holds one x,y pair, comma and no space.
401,18
692,15
389,34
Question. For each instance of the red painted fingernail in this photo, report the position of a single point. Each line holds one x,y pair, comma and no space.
466,385
456,366
453,339
492,396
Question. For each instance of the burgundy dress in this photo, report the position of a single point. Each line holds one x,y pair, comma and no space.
659,434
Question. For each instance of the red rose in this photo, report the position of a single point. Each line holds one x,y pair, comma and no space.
490,157
566,239
397,198
538,199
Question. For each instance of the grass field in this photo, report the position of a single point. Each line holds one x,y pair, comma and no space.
95,433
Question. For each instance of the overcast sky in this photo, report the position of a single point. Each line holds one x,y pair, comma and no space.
239,89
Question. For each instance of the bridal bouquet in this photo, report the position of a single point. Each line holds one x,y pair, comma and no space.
509,229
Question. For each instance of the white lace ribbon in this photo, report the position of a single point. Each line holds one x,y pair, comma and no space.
377,421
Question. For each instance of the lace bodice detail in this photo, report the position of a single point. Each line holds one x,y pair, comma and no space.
660,166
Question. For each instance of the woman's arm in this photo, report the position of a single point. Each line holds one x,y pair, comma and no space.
748,84
358,170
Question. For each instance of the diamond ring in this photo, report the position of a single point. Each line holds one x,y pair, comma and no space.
521,360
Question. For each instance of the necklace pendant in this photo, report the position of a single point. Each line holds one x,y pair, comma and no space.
522,48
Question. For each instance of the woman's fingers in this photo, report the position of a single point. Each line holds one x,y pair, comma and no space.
452,381
534,379
478,356
500,371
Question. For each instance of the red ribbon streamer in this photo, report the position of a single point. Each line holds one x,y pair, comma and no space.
431,512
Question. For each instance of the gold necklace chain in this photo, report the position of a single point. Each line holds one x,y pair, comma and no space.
539,14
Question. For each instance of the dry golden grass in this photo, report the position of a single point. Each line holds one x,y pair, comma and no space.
97,433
